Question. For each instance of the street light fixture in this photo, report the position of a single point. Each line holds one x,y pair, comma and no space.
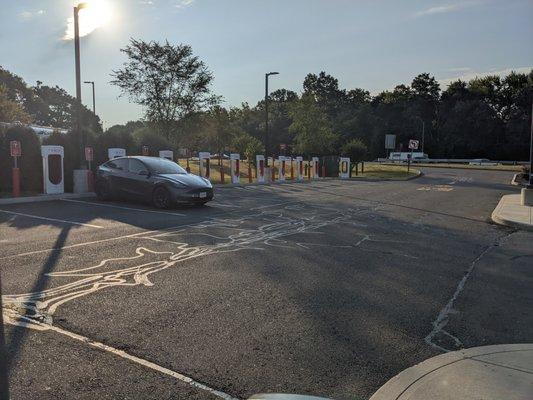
94,107
266,114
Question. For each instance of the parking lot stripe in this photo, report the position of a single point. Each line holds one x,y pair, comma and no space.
51,219
124,208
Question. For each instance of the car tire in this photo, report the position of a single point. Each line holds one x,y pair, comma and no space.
103,191
161,198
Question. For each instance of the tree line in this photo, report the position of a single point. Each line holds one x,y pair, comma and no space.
486,117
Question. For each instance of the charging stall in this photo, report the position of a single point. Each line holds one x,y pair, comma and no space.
299,168
314,171
203,158
53,170
168,154
344,168
281,168
260,168
115,153
234,160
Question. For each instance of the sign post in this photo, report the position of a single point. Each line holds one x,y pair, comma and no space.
413,145
16,151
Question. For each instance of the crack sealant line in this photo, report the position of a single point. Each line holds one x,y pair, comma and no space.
138,360
442,318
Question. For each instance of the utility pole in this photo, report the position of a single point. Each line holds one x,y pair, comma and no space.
94,106
78,78
266,114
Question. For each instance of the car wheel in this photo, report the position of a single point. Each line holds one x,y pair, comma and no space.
103,192
161,198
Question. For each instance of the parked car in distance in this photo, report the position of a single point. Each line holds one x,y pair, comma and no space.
482,161
156,180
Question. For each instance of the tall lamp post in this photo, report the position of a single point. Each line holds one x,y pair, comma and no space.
266,114
77,9
92,83
423,132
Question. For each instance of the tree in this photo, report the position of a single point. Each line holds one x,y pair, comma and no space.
356,150
168,80
11,111
312,131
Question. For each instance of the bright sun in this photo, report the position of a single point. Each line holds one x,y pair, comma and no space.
97,14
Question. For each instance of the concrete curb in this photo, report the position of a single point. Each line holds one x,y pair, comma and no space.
430,376
497,217
45,197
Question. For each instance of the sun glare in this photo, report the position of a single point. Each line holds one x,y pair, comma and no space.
97,14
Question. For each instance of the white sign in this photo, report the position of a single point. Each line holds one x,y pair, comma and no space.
314,171
235,167
390,142
203,158
168,154
115,152
299,168
281,168
344,168
260,168
53,170
413,144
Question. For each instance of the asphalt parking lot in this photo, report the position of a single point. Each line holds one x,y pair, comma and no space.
327,288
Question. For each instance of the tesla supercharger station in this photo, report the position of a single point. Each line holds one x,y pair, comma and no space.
203,158
235,167
168,154
260,165
344,168
53,172
281,168
314,171
299,168
116,152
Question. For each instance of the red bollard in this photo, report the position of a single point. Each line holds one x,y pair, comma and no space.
222,173
90,181
273,173
292,171
188,169
16,182
249,172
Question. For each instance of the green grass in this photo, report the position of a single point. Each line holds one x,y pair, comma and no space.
513,168
385,171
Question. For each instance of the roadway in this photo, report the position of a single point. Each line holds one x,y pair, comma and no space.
327,288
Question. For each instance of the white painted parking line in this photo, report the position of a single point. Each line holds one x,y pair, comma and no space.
124,208
63,221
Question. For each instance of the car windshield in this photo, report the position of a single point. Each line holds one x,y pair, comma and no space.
163,166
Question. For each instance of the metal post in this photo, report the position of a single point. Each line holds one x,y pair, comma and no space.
531,151
266,119
78,81
423,134
94,102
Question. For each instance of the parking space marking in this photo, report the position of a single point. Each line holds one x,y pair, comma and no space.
124,208
63,221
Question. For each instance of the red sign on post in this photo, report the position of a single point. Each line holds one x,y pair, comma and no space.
145,150
89,154
16,150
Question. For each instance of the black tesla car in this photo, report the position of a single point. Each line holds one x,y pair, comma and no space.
157,180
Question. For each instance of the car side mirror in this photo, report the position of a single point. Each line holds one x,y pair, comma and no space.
144,173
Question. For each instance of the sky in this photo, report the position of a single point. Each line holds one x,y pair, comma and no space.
369,44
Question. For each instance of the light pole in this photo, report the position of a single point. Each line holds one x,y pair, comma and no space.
266,114
423,132
531,152
78,76
94,107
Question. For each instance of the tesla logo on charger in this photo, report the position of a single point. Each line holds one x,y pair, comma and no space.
16,149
